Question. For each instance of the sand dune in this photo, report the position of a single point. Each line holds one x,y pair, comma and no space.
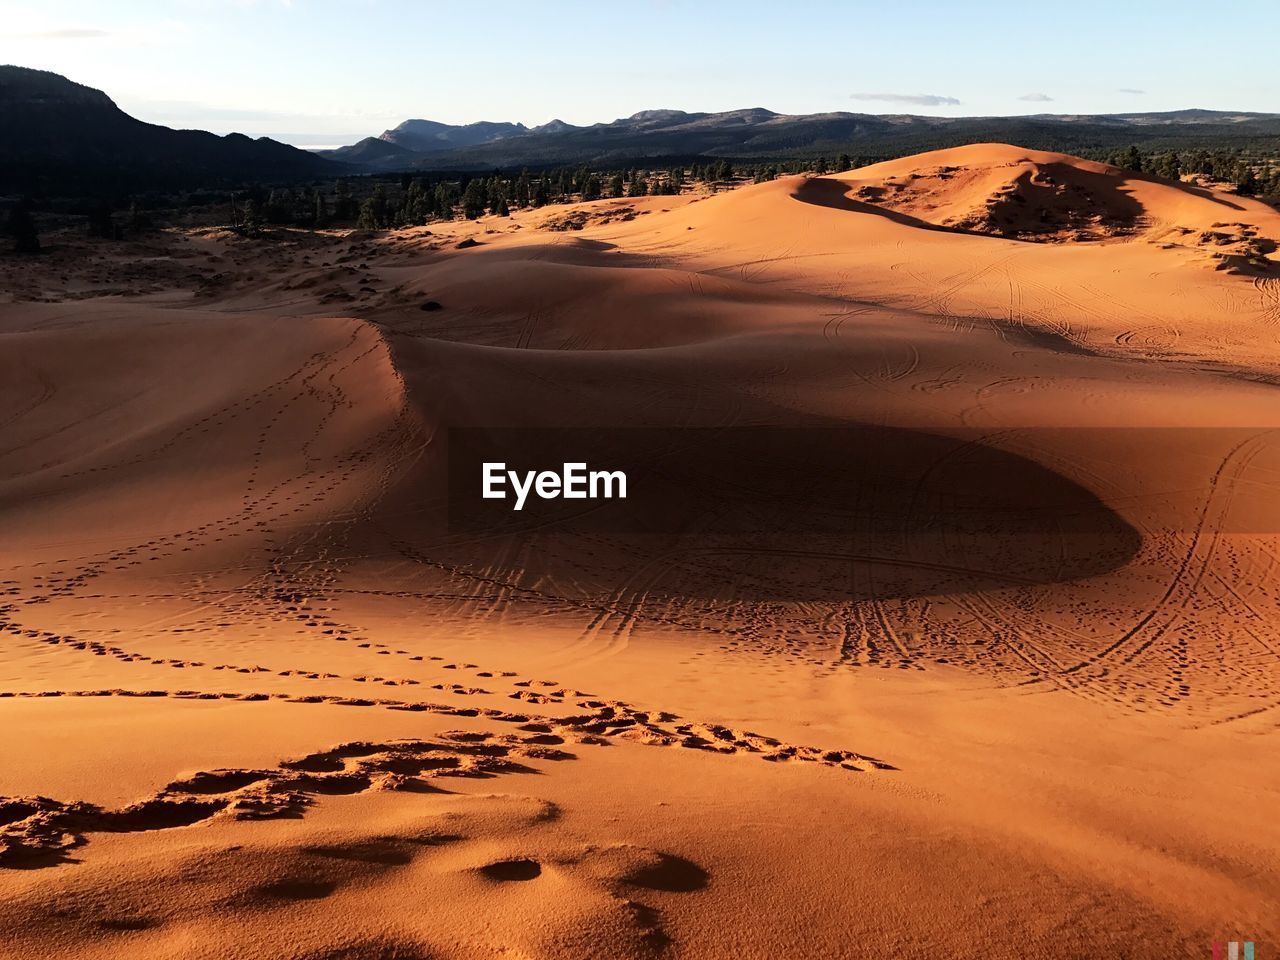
1033,195
262,701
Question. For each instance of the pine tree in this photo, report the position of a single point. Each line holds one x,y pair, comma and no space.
498,198
474,198
1270,185
1167,165
379,208
412,197
374,212
252,222
444,200
304,207
102,222
1130,159
368,218
22,227
498,205
424,208
344,205
279,206
542,192
138,221
639,185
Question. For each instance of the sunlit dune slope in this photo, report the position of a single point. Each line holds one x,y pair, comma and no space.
1032,195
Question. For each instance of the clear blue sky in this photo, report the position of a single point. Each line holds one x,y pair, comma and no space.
329,71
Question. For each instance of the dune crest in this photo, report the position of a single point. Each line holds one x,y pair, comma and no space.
1032,195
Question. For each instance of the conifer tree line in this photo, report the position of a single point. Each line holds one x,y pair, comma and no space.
415,200
423,200
104,223
391,202
1251,175
381,203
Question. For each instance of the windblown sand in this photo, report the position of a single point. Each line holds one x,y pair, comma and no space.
258,702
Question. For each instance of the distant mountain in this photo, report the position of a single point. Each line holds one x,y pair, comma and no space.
371,150
758,133
1186,116
427,136
553,126
60,136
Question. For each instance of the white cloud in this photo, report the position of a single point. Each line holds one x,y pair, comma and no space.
917,99
32,26
66,33
1036,97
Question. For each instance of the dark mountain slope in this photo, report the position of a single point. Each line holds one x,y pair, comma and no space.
427,136
57,135
371,151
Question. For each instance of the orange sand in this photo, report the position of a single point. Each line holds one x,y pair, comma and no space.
257,702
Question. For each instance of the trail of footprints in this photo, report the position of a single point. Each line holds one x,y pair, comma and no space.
296,584
39,831
289,579
602,720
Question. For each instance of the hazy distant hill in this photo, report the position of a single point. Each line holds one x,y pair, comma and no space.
759,133
427,136
372,151
60,135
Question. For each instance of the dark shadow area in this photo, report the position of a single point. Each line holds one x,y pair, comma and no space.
1042,339
387,853
1055,199
672,874
512,870
296,889
128,924
772,513
1191,188
823,192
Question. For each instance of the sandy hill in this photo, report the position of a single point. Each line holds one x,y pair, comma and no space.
1049,197
261,700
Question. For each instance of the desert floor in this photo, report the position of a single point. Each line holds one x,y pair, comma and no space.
258,701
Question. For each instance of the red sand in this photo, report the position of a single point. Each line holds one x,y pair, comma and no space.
223,560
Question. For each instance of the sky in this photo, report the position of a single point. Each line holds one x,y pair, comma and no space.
328,72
